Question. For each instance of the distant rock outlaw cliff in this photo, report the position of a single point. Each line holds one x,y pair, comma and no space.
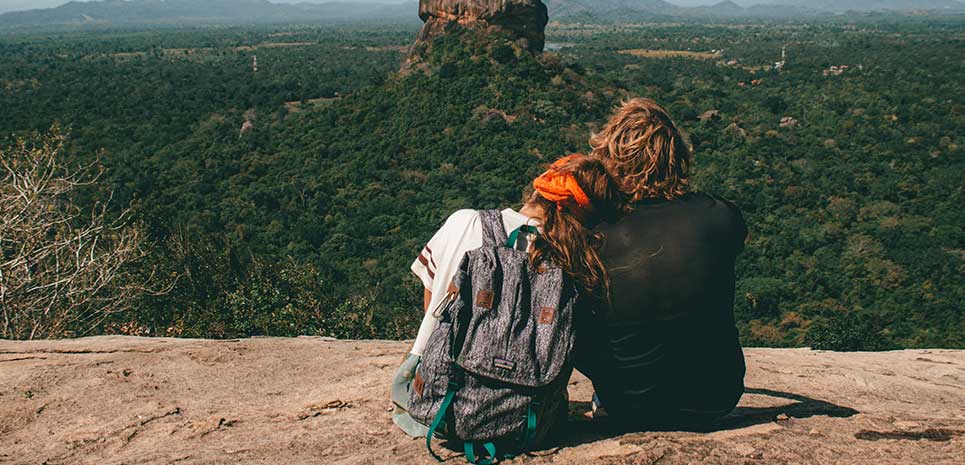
522,20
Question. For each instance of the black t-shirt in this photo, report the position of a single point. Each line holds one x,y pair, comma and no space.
669,340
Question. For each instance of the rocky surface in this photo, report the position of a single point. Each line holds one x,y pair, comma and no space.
114,400
523,21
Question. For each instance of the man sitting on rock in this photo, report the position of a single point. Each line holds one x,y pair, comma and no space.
665,353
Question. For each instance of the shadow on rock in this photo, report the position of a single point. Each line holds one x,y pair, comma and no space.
804,407
581,430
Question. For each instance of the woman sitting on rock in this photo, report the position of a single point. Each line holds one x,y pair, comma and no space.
554,224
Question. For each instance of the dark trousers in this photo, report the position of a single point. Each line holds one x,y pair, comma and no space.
666,415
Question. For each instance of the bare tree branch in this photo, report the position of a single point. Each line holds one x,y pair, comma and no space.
61,274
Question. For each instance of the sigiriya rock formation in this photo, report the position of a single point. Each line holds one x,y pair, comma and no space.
522,21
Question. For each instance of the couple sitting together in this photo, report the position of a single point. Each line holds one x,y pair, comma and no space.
613,266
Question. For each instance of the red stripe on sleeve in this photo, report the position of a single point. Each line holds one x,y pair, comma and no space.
425,263
430,257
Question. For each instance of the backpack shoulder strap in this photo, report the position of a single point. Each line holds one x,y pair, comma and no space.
494,232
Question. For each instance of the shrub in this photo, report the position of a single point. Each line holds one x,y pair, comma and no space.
847,332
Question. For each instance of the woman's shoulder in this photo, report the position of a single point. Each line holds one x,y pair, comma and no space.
463,221
460,223
461,217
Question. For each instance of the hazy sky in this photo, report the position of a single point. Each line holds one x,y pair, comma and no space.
13,5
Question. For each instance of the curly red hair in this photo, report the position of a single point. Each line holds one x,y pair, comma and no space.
568,239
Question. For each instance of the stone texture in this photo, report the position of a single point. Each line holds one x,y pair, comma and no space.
114,400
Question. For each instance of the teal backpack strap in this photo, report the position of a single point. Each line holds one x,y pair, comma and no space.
514,236
440,418
470,448
530,426
530,432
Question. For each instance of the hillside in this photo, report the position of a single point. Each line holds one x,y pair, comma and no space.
114,400
114,12
840,6
651,9
609,8
99,13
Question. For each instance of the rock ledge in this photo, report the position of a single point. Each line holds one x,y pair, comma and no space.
113,400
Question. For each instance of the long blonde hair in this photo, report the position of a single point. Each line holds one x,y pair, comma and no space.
645,150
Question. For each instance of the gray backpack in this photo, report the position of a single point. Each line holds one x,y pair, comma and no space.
495,371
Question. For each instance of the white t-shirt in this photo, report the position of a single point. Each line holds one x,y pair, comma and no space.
439,259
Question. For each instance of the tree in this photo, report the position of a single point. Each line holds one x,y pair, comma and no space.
63,268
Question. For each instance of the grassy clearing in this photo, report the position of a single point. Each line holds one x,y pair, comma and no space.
296,106
648,53
275,45
388,48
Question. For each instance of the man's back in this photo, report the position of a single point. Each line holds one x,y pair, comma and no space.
669,340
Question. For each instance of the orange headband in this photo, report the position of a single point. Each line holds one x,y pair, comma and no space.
562,188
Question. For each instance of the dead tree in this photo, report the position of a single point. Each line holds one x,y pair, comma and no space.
63,268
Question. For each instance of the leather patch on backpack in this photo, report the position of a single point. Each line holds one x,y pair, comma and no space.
418,384
504,364
546,315
453,290
484,299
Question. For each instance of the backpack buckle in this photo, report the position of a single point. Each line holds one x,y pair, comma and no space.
445,302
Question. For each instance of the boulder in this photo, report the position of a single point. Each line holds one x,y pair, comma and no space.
709,115
735,130
788,122
246,127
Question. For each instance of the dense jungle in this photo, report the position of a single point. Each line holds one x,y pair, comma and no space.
285,177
